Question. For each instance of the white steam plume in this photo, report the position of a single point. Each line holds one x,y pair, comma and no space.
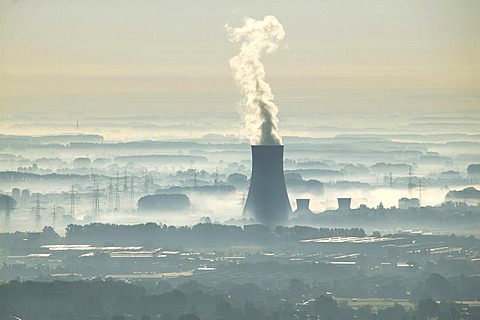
258,110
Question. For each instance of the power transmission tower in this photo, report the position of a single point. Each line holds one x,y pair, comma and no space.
243,199
132,191
110,193
96,198
38,217
38,212
9,206
146,183
72,201
215,181
410,183
54,218
420,189
195,177
125,183
117,194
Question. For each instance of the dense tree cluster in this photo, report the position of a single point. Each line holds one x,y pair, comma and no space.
304,232
111,300
473,170
7,203
466,194
202,234
25,176
164,202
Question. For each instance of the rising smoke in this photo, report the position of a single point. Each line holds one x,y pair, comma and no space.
258,110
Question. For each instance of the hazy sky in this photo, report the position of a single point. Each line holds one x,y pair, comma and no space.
152,56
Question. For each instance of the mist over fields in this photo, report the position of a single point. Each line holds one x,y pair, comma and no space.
371,164
239,160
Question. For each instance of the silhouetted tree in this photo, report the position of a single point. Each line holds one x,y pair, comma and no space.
188,317
473,170
190,287
224,310
324,306
440,288
426,308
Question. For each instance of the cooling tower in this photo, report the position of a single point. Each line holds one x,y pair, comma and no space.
303,207
344,203
267,200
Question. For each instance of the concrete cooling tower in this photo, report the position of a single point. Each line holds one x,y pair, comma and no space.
267,200
344,203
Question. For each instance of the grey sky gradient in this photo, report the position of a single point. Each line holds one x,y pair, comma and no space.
124,57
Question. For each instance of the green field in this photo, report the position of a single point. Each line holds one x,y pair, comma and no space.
375,303
379,303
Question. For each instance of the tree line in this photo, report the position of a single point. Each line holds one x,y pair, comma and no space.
110,300
202,234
